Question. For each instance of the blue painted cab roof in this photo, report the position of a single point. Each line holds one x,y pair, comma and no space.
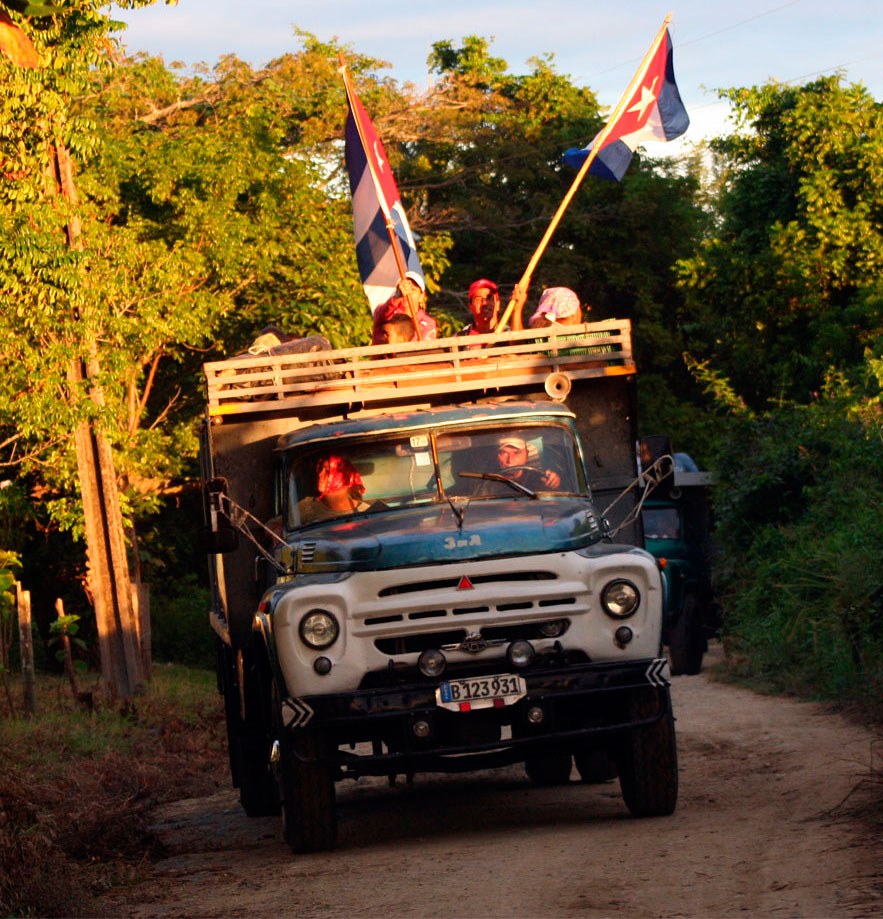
393,422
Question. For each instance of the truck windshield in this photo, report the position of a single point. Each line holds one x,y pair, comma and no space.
661,523
326,481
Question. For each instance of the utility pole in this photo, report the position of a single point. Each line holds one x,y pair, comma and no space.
108,567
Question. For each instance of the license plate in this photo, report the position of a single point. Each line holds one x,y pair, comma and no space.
480,692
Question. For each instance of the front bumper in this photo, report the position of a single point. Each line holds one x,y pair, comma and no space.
583,705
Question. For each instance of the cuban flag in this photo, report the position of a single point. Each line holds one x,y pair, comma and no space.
379,220
650,110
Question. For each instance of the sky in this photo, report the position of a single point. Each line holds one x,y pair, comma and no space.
599,45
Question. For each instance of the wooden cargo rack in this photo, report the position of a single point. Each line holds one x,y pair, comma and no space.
390,373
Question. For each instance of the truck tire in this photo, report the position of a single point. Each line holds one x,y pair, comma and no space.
257,786
647,760
248,742
595,766
686,643
549,770
306,793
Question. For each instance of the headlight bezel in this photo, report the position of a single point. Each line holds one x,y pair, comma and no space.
609,605
307,629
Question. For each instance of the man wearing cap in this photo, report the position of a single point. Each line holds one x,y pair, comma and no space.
518,462
484,304
410,300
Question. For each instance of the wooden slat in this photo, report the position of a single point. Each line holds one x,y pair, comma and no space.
272,383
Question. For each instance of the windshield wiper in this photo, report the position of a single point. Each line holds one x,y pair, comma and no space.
499,477
459,512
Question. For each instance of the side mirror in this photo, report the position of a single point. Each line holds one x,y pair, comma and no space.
217,542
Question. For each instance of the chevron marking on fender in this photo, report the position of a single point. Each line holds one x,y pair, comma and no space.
296,713
655,673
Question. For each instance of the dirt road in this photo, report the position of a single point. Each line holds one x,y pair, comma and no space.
760,830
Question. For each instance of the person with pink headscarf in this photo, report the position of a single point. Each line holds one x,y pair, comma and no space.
557,306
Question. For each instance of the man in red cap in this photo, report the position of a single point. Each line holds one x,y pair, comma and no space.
484,304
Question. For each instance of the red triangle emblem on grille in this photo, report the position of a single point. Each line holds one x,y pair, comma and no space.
465,584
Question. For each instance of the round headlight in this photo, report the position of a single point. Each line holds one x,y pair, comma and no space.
620,599
319,629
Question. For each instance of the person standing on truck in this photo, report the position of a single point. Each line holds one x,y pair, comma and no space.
484,305
339,491
410,296
398,328
557,306
518,459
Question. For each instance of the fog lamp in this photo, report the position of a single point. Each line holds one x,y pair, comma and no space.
535,714
322,665
552,629
520,653
431,662
623,635
421,729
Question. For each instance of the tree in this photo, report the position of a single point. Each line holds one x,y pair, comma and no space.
487,167
788,285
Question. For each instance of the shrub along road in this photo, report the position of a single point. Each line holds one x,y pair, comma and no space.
775,817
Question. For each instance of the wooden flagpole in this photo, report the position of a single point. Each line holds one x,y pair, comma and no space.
390,227
524,283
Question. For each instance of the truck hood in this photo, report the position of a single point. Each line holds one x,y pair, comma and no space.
431,534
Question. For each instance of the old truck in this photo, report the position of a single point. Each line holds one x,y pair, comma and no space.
677,524
454,613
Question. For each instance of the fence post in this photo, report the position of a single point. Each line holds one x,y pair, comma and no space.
26,650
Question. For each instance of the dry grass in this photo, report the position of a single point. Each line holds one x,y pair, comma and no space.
77,788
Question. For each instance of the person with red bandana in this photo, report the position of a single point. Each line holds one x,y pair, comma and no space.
340,489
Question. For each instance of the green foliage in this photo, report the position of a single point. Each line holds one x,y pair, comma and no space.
800,541
67,625
482,158
789,285
180,625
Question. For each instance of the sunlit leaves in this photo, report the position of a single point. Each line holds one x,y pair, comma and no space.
15,44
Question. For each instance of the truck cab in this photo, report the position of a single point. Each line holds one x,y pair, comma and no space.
437,587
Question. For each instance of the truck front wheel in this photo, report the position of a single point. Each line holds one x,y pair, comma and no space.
306,793
647,760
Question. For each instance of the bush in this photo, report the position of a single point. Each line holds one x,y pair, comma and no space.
801,540
180,629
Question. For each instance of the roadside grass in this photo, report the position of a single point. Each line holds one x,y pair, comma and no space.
77,787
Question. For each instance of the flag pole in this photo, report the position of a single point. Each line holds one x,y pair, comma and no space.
390,227
524,283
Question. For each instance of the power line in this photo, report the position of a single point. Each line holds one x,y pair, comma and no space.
701,38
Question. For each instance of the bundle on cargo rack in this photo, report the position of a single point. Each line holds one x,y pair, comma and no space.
549,357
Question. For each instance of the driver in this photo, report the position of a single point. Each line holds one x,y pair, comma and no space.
340,490
518,462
